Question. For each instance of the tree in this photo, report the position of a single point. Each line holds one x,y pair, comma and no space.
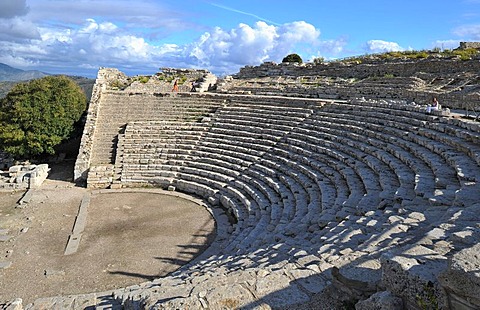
292,58
38,115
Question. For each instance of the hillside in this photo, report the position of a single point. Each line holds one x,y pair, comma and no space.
8,73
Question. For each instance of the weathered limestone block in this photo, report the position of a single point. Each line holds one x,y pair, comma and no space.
38,175
277,289
227,296
411,273
381,301
359,279
468,194
462,279
28,176
309,280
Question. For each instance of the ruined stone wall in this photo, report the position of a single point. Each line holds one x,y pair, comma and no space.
360,71
428,69
21,177
452,100
466,45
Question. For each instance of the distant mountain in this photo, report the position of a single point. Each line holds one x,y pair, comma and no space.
11,74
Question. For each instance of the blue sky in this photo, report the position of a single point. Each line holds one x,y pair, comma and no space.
139,37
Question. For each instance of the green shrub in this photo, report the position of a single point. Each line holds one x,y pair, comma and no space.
421,54
38,115
144,79
182,80
117,84
292,58
466,54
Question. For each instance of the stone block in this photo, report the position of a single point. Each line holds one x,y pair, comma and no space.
380,301
461,279
359,279
411,273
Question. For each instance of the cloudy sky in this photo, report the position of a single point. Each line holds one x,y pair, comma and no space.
141,36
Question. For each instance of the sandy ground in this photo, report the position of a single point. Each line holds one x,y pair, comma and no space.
129,238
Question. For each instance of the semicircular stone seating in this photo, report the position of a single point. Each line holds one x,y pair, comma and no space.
301,193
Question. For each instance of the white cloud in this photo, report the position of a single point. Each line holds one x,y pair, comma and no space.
446,44
226,51
69,48
380,46
13,8
240,45
333,47
140,16
17,29
470,32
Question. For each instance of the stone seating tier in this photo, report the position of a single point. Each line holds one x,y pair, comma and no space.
119,108
338,184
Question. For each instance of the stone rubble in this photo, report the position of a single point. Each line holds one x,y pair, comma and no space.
21,177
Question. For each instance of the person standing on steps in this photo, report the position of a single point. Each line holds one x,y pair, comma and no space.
175,86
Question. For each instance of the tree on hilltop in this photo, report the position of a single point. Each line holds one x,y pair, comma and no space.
293,58
38,115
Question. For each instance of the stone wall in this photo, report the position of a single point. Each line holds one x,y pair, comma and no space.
452,81
465,45
100,176
86,145
345,92
405,68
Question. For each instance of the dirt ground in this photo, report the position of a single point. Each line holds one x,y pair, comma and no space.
129,238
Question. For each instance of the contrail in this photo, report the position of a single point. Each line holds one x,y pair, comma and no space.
244,13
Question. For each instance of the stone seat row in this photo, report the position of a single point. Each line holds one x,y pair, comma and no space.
291,203
443,177
223,185
423,177
435,141
263,123
264,112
